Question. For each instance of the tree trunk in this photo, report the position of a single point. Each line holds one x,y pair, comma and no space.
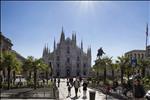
8,77
128,75
97,75
1,80
105,75
35,77
14,77
47,77
143,72
122,72
30,75
112,74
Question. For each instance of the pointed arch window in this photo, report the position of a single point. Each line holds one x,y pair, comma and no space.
68,50
84,73
68,60
78,65
78,58
57,65
58,58
84,65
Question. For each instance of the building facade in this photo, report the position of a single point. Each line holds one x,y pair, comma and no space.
138,54
148,51
5,43
67,59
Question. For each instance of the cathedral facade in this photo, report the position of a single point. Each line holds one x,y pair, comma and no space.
68,59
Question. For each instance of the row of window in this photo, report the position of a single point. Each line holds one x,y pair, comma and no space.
68,73
136,55
78,65
67,51
68,59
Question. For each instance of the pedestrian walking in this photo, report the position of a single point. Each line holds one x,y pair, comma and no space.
67,82
55,80
76,86
138,90
71,81
84,88
69,90
80,79
58,81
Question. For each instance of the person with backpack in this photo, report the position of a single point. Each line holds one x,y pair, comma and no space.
138,90
76,86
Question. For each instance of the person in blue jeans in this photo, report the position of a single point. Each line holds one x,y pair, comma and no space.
84,88
76,86
69,90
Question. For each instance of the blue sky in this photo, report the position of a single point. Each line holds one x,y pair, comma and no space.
117,26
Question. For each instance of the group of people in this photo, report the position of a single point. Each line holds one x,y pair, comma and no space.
77,84
135,87
58,81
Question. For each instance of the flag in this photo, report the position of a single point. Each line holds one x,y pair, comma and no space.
146,35
147,31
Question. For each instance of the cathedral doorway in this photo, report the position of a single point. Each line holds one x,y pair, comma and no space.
68,72
78,73
58,74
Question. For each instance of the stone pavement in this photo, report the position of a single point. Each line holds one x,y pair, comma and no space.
26,93
63,93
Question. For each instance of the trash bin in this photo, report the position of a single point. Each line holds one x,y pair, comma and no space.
92,95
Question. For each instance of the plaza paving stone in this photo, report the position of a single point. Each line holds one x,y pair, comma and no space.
63,93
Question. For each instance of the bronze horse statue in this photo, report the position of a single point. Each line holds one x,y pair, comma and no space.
100,52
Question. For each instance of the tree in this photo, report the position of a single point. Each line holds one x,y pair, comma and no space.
16,69
123,63
28,66
102,64
34,65
10,62
1,68
38,65
113,67
143,64
44,68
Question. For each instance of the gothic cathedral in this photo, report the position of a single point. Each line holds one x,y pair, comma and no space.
67,59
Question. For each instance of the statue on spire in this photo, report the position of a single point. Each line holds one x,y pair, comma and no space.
81,45
62,38
54,44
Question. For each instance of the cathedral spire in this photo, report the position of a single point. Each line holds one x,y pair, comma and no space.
44,50
72,36
47,48
89,51
75,38
62,38
54,44
81,45
49,51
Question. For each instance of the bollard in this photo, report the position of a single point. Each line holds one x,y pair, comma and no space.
92,95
